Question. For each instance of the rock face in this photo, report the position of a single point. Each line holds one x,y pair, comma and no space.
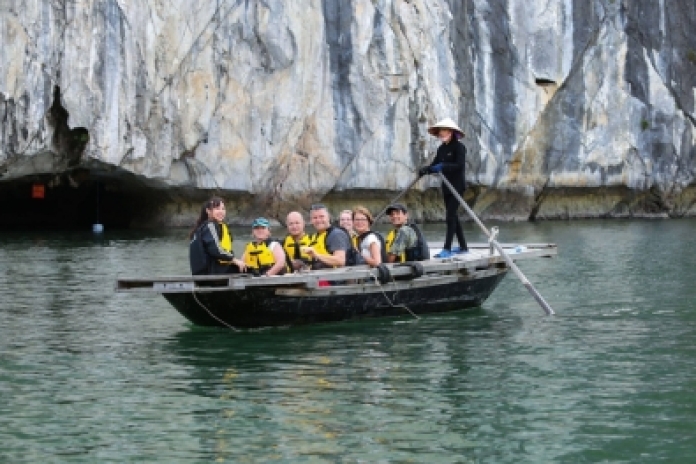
572,108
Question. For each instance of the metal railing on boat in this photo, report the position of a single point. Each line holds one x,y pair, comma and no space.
478,260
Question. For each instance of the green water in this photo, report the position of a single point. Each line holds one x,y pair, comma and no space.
88,375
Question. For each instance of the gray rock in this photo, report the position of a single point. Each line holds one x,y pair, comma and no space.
579,108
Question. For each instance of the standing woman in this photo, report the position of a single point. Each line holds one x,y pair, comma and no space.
449,160
210,250
365,239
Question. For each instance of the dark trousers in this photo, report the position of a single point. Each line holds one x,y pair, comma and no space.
453,224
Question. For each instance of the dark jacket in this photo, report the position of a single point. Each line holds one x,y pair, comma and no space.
206,255
452,156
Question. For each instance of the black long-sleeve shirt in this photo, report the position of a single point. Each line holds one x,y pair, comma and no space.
206,253
452,155
211,235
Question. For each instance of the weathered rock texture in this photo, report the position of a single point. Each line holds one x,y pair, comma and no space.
572,108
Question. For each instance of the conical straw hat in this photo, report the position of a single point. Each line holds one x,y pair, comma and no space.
446,123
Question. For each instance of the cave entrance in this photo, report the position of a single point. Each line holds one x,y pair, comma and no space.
75,200
67,192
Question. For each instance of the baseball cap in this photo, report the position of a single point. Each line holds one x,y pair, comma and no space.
396,207
260,222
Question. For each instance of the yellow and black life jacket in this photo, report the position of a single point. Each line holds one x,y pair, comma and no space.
293,247
389,241
225,242
419,251
215,261
318,242
258,256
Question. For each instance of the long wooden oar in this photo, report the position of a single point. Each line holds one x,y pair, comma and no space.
396,198
403,192
545,306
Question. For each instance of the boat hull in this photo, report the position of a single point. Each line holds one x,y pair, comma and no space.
269,307
355,292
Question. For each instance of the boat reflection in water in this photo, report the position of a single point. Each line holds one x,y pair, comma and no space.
333,391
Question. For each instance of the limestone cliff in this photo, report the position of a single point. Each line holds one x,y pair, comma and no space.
571,108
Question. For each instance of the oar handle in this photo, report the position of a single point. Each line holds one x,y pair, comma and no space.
537,296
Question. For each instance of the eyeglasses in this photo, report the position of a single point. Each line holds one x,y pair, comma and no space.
360,220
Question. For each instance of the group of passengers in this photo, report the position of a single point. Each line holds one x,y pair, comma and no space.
211,250
332,246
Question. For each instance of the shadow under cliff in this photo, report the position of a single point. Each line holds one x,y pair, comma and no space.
78,198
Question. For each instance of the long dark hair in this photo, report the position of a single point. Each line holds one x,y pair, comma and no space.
203,217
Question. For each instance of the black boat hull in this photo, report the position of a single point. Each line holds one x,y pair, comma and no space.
268,307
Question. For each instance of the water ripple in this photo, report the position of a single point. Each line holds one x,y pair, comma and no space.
91,376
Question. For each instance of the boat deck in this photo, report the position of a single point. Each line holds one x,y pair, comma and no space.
480,258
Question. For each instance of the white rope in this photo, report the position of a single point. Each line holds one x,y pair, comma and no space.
395,293
492,237
213,315
369,275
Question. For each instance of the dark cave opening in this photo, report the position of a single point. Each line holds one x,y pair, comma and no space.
75,200
81,193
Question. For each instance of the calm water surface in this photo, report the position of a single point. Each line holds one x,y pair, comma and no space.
88,375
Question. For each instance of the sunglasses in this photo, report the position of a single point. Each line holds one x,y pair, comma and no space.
317,206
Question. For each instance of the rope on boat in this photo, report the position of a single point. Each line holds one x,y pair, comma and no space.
492,238
213,315
386,297
369,275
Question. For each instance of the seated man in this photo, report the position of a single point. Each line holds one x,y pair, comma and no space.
264,256
329,244
402,239
295,241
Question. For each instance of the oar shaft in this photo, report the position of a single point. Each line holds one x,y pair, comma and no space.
403,192
537,296
465,206
394,200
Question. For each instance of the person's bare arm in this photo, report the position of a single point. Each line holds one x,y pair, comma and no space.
338,258
279,257
375,258
240,264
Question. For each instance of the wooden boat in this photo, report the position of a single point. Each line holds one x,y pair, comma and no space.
243,301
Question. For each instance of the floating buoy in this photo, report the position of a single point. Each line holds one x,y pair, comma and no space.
98,228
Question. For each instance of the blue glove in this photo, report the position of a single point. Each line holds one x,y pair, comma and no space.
436,168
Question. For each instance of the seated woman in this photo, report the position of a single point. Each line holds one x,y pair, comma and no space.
345,220
367,241
210,250
264,256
